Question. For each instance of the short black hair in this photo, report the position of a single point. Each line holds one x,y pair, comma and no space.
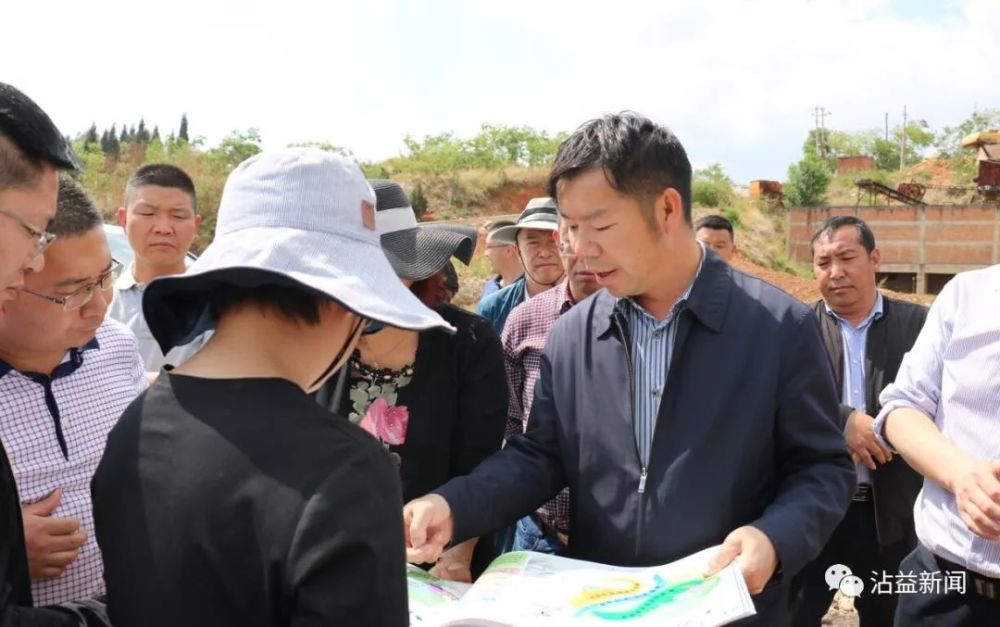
639,158
76,213
28,139
161,175
292,303
716,223
835,223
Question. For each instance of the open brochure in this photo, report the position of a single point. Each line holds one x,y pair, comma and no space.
524,589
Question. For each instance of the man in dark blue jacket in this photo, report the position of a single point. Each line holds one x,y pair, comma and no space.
686,405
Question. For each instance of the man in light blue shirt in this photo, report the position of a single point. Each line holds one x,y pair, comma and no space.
866,335
161,220
942,416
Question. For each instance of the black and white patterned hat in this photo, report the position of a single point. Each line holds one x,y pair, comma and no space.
416,251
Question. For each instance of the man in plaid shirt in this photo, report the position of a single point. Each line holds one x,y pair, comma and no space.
523,339
66,375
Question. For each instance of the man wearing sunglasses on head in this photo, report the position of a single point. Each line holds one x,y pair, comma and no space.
66,375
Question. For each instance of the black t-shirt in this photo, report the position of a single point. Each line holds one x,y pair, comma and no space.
242,502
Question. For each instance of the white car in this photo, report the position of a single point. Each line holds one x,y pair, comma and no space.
120,249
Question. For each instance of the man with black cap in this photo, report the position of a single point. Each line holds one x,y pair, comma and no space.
226,494
32,150
532,234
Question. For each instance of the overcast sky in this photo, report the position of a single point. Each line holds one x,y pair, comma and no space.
735,79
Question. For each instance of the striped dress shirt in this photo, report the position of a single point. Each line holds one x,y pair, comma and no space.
952,374
652,347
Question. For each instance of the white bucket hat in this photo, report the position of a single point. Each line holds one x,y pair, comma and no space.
539,214
297,216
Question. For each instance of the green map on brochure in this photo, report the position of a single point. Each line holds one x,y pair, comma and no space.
527,589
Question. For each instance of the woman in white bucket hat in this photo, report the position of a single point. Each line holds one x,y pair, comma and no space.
226,495
436,401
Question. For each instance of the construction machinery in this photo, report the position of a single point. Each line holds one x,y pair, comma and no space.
987,143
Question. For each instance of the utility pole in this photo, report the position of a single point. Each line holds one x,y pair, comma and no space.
902,142
887,126
819,115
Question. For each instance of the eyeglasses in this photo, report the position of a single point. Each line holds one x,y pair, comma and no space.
82,296
42,238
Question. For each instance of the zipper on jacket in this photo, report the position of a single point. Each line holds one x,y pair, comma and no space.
643,471
631,401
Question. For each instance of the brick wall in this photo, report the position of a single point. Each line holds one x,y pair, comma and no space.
923,240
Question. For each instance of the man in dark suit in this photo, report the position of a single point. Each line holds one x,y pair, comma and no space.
685,405
866,335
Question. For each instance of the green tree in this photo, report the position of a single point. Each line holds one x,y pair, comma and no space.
90,138
141,134
418,200
949,140
182,134
918,138
710,187
436,154
114,146
236,147
807,182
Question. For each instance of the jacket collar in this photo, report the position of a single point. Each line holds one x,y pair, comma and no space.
876,313
707,300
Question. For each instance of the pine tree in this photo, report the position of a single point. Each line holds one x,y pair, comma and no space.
104,142
182,134
142,135
124,136
114,146
156,134
91,138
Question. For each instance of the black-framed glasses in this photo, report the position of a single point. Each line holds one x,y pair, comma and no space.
42,238
82,296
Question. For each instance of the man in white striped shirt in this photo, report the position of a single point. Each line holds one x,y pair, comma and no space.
66,375
941,415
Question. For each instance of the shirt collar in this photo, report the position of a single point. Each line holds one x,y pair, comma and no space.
126,280
564,299
623,304
875,313
71,361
